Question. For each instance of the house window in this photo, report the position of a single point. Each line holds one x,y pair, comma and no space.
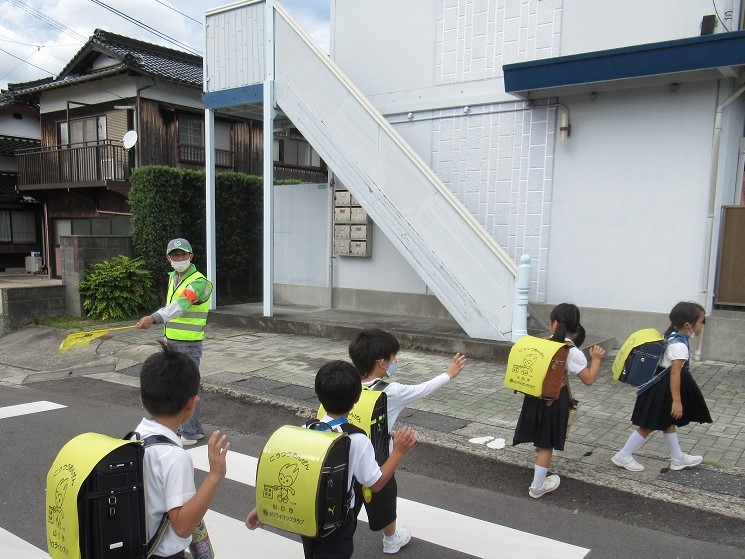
17,227
295,153
191,141
83,130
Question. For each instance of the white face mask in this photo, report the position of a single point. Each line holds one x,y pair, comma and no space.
181,266
691,333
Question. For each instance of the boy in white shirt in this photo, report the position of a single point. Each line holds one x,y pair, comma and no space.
338,388
373,352
169,382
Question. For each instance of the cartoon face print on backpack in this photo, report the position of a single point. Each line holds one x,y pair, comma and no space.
287,477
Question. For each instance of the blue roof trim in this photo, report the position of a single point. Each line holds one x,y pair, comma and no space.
668,57
232,97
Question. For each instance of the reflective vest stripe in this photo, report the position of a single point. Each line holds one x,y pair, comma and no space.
190,314
173,325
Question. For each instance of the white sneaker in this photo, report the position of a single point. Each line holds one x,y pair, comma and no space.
549,484
627,462
400,538
187,442
686,461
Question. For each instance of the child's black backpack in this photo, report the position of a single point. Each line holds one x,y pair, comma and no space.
639,358
96,499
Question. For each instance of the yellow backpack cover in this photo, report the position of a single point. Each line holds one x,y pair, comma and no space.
301,480
528,364
638,338
370,414
72,466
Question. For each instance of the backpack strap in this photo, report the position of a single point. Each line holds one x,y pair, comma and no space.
165,521
378,384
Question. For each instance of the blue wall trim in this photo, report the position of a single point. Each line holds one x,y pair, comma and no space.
232,97
682,55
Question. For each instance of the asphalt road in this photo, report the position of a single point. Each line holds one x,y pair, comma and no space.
484,494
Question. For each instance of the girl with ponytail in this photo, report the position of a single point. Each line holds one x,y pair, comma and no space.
674,401
544,422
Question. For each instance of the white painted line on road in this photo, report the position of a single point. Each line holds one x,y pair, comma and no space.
464,534
232,540
31,407
18,548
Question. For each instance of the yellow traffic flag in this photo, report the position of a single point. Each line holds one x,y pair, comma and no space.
82,339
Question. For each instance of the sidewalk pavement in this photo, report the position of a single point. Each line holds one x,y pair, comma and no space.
280,368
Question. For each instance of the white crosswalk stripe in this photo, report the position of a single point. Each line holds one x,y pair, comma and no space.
18,548
25,409
464,534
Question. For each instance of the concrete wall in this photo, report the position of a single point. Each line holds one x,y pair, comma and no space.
19,306
383,283
79,253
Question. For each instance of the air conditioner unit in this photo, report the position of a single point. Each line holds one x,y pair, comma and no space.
33,264
112,169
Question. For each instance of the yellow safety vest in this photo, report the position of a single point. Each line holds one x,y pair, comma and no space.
190,326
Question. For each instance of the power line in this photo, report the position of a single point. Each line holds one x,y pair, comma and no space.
26,61
48,20
146,27
175,10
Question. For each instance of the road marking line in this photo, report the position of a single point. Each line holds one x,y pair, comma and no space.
18,548
231,539
464,533
25,409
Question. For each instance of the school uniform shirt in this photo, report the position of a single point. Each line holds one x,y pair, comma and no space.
169,483
402,395
362,464
576,361
674,352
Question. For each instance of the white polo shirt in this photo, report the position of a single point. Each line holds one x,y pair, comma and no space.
169,483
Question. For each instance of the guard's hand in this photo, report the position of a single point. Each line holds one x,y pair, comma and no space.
252,520
217,451
457,365
146,322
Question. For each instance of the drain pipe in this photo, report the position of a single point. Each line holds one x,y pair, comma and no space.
704,298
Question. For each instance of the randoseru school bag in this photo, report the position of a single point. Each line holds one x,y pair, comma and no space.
537,367
302,479
370,414
639,358
95,499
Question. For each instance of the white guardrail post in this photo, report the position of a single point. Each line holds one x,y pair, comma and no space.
520,306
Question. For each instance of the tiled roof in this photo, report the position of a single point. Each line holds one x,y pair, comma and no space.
134,56
9,144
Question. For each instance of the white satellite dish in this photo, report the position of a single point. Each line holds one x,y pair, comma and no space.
129,139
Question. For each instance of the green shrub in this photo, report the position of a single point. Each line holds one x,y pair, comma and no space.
156,217
117,289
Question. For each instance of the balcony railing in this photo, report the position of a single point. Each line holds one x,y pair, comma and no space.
188,153
83,164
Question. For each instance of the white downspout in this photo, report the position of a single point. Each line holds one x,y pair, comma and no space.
269,114
704,297
210,203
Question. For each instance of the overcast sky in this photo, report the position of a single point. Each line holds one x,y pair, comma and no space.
32,48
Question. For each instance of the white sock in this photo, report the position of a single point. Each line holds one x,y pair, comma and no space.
634,443
539,476
674,443
389,538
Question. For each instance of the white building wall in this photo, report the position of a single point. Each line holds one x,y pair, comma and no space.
590,25
630,195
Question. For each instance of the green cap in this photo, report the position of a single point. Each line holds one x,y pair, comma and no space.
178,244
